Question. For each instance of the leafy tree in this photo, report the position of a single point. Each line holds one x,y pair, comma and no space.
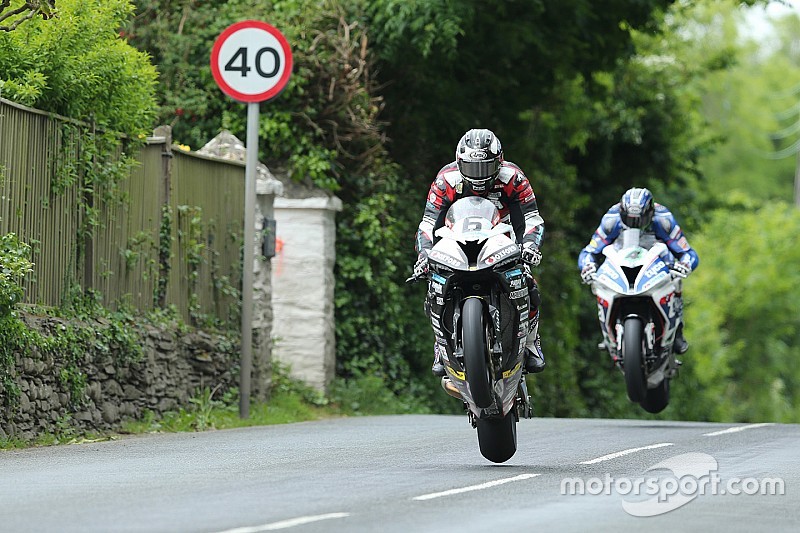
746,98
742,365
77,65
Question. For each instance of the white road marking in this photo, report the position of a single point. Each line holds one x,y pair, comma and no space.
299,521
482,486
624,452
737,429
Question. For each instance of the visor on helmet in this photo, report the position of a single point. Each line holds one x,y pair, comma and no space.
476,171
637,221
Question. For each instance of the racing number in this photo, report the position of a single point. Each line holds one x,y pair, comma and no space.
241,57
473,224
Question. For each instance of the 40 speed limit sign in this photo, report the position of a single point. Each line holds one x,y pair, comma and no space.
251,61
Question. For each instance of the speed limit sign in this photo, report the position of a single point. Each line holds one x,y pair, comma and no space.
251,61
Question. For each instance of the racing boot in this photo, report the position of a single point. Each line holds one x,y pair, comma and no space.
438,367
680,345
534,358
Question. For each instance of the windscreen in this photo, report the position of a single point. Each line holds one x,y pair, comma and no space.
472,214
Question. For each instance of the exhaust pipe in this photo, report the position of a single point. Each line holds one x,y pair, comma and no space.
451,389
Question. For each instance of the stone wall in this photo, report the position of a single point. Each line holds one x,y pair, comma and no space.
173,368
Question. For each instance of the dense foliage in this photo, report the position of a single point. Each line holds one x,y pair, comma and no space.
589,98
324,129
594,99
745,309
76,65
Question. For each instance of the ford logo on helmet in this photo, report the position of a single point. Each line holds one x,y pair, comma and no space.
478,154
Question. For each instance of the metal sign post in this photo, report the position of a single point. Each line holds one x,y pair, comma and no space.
251,161
251,62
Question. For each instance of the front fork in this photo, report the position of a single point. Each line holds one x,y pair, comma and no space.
649,340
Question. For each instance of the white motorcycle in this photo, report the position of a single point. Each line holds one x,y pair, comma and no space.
639,315
478,306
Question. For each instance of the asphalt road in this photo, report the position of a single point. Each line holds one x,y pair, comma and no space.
413,473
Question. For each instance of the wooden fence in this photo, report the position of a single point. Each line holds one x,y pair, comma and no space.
195,201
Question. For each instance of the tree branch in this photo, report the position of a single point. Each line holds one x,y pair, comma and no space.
26,11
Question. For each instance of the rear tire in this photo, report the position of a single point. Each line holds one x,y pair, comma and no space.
497,437
633,359
656,400
473,336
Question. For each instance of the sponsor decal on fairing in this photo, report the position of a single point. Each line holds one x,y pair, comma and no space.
497,256
444,258
437,278
508,373
517,294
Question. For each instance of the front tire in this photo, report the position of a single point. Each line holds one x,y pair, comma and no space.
633,359
473,336
497,437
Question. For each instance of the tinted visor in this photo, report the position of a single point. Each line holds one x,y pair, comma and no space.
637,221
479,170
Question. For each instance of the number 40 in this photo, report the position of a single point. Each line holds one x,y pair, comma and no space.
241,57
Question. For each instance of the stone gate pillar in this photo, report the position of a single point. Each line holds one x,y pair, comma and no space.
303,283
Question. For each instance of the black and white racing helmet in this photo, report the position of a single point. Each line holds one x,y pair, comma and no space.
479,155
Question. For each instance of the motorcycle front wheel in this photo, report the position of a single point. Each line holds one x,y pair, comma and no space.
473,336
633,359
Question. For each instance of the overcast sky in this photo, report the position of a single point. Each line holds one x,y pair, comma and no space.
758,17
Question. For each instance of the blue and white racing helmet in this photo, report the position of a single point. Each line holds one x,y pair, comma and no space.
636,208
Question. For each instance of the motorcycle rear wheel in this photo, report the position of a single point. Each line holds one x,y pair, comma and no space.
473,336
657,399
633,359
497,437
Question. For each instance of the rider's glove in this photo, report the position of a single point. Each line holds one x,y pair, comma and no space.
679,269
421,266
588,273
531,255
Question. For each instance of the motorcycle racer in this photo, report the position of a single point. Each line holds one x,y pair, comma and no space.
636,209
480,170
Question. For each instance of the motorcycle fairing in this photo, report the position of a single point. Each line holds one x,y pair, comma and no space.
630,274
633,270
475,259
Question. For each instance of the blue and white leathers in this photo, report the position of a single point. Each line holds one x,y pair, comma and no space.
664,228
